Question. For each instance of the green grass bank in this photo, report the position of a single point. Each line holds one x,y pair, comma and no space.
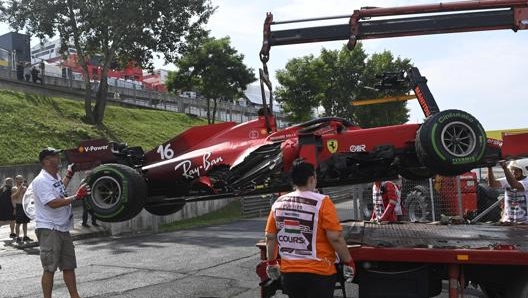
30,122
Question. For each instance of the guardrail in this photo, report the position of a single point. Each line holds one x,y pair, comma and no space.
259,206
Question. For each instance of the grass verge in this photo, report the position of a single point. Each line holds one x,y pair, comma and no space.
31,122
229,213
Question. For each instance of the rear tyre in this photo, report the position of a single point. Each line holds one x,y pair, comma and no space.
417,209
450,142
165,209
118,192
418,205
367,205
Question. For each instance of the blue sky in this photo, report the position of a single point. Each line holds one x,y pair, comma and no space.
483,73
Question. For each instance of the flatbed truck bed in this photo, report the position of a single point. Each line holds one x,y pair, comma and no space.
410,260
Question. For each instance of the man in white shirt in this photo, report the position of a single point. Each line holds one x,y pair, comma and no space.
515,184
53,221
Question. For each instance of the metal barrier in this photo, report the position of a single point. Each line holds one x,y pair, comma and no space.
258,206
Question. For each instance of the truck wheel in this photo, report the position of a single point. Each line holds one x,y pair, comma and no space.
490,293
518,286
118,192
450,142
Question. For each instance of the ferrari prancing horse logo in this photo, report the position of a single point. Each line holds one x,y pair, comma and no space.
332,145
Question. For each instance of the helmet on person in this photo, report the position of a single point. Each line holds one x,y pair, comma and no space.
521,164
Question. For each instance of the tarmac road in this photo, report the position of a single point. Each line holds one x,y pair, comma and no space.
216,261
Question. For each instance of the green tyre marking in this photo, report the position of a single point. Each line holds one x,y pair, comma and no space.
124,191
113,214
124,188
483,141
435,146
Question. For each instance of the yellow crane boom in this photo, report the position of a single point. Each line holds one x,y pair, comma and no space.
362,102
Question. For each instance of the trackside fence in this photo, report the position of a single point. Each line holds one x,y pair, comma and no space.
435,199
258,206
439,199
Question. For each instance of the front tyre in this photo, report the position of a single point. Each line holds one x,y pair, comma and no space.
118,192
451,142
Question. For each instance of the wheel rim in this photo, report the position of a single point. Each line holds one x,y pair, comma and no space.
458,139
366,204
417,211
367,210
106,192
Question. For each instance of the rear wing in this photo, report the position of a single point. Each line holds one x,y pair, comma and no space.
514,145
90,153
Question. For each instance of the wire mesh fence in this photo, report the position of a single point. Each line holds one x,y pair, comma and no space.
424,200
430,199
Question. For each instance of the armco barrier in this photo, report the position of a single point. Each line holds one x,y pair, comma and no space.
258,206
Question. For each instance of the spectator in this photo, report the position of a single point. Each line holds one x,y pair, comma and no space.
7,212
386,201
42,66
54,219
20,71
27,71
86,211
515,184
304,228
86,208
17,194
35,74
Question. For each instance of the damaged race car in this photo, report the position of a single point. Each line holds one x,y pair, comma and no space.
230,159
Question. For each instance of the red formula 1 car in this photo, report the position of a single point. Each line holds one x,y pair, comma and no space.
230,159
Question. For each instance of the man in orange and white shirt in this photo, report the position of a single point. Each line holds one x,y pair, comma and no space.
304,230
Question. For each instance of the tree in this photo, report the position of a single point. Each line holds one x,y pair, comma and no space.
300,89
119,30
214,69
336,78
386,113
344,71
